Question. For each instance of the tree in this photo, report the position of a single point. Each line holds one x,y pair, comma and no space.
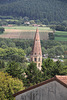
64,23
50,68
32,22
1,30
28,51
47,67
51,36
9,86
14,54
59,50
60,28
2,64
51,52
44,51
32,75
57,68
14,69
64,71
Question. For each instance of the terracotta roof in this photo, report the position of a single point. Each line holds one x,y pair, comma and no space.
37,46
61,79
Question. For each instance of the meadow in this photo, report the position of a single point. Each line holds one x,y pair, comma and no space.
61,35
28,32
28,28
25,32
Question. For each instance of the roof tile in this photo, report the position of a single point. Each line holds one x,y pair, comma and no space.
62,78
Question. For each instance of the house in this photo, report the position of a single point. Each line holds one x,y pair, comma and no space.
52,89
27,23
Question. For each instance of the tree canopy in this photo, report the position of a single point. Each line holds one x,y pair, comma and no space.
43,10
9,86
51,68
32,75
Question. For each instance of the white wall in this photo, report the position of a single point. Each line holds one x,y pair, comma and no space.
49,91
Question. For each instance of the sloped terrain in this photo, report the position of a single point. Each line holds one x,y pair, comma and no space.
51,10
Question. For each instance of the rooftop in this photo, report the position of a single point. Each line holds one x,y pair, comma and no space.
62,78
59,78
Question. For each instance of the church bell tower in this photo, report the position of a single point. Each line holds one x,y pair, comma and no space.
36,55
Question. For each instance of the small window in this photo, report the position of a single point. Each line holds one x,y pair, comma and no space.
35,59
35,53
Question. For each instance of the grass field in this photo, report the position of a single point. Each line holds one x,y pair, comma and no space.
28,28
25,32
61,36
61,33
28,32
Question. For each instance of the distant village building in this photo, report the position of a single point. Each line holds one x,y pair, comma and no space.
26,23
36,55
35,25
52,89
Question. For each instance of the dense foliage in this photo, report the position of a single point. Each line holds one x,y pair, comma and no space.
9,86
62,27
44,10
32,75
14,54
16,49
13,50
15,69
1,30
49,69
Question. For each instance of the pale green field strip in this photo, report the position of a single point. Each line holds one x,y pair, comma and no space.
11,20
61,33
61,38
28,28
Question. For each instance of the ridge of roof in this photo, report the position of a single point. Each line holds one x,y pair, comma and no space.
55,78
62,78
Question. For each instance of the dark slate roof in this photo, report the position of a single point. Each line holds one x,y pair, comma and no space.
61,79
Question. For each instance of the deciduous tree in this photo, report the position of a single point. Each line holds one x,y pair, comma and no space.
9,86
32,75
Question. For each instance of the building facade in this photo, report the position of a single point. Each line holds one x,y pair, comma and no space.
36,55
52,89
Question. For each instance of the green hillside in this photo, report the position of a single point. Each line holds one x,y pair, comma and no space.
47,10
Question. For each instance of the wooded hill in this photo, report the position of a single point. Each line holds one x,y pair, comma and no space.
48,10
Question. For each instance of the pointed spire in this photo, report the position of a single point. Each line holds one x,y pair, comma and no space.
37,45
36,55
37,30
37,37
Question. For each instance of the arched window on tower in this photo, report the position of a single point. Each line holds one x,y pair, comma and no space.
35,59
35,53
